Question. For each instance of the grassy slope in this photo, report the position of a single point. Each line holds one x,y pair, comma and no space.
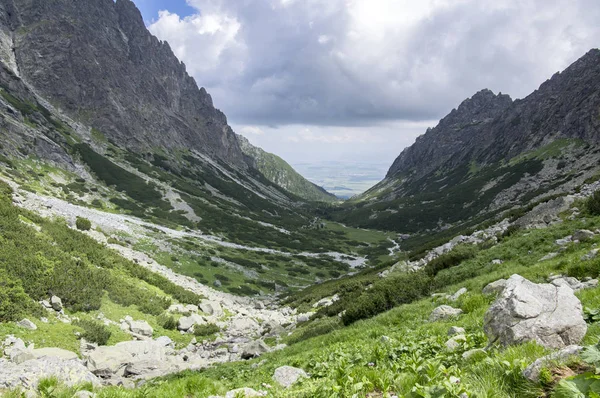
344,361
280,172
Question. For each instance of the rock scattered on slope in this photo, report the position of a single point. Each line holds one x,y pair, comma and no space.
583,235
495,287
26,324
525,311
255,349
288,375
29,373
532,372
444,312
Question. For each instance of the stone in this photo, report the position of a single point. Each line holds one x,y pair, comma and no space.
46,304
497,261
255,349
590,255
303,318
243,326
186,322
54,352
495,287
454,330
288,375
164,341
532,372
29,373
56,303
457,295
20,355
141,327
547,314
244,393
455,342
444,312
211,308
564,241
112,361
26,324
583,235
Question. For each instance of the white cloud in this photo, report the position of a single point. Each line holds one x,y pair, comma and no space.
250,130
344,68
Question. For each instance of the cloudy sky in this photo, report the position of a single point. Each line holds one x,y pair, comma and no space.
317,80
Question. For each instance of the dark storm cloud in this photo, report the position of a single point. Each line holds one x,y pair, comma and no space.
364,62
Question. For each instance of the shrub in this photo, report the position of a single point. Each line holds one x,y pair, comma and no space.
592,204
385,295
154,306
167,322
13,299
453,258
94,332
205,330
83,224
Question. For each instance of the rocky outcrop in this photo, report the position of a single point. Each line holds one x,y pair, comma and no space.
288,375
444,312
525,311
100,61
532,372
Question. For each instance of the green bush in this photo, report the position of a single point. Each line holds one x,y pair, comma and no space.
83,224
167,322
451,259
94,332
14,302
592,204
206,330
386,294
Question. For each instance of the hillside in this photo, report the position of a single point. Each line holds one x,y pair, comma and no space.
279,172
490,155
146,251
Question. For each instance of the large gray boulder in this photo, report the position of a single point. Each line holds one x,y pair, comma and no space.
140,327
288,375
54,352
495,287
525,311
255,349
532,372
186,322
26,324
29,373
56,303
444,312
211,308
110,361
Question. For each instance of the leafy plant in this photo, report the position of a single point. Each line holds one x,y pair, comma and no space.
94,332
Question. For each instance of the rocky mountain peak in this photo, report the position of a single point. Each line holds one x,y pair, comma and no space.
95,60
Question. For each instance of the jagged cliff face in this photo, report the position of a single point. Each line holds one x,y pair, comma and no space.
491,154
488,127
95,60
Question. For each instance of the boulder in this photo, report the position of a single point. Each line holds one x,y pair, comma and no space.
243,326
532,372
444,312
457,295
255,349
526,311
549,256
26,324
29,373
455,342
474,354
454,330
20,355
583,235
111,361
244,392
495,287
590,255
211,308
54,352
288,375
186,322
56,303
141,328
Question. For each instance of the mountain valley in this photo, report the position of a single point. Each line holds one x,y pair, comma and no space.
149,251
